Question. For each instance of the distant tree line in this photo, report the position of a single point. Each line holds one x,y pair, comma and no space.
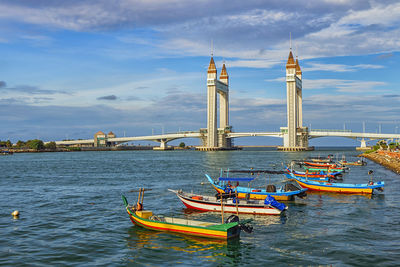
35,144
383,145
6,144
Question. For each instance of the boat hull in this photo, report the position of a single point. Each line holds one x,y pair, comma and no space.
324,165
317,169
339,187
293,176
223,231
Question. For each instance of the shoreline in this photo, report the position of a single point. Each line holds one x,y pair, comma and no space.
390,160
80,149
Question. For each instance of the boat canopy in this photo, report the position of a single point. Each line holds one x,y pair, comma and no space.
239,179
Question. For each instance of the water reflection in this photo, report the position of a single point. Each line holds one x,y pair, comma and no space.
343,197
142,243
215,160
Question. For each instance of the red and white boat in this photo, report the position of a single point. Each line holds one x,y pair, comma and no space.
212,203
321,165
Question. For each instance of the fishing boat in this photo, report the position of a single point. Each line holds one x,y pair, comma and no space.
285,193
230,204
317,169
323,165
291,175
6,152
322,160
340,187
354,163
146,219
315,175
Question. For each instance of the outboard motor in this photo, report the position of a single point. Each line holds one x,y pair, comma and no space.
232,218
245,227
248,228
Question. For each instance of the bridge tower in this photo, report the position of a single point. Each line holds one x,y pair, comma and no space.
211,105
295,135
215,137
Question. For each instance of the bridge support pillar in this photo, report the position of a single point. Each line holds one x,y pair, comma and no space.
301,139
163,145
363,145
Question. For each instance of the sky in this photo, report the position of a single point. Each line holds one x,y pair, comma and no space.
138,67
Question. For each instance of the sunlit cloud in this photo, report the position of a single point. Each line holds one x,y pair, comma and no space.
349,86
338,67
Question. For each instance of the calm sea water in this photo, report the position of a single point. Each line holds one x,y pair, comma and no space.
72,212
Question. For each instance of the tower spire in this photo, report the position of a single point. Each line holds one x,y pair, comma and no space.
298,69
211,67
290,62
224,74
212,47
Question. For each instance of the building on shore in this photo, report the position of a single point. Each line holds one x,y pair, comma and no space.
102,140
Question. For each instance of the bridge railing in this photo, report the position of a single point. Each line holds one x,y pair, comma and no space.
180,132
330,130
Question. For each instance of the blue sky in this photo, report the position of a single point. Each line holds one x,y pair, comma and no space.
71,68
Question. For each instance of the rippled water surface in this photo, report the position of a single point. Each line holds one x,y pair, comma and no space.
72,212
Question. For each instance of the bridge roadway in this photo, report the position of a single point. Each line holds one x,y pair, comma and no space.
163,139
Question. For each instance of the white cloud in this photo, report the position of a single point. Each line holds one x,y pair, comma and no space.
263,64
257,17
380,14
345,86
338,67
245,31
359,32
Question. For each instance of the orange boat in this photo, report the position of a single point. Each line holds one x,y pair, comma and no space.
323,165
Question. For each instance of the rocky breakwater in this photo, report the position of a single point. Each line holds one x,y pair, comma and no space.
390,160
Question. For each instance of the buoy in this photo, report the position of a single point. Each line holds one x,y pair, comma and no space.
15,213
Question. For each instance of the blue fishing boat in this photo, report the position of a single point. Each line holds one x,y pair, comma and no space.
292,175
285,193
367,188
318,175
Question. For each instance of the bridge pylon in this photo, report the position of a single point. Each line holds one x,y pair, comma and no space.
295,136
214,137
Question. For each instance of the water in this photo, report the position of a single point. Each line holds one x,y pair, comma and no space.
72,212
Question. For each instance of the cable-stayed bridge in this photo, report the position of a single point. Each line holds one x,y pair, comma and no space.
163,139
219,135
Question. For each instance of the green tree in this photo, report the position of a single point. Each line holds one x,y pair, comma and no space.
182,145
51,145
9,144
20,144
35,144
382,144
